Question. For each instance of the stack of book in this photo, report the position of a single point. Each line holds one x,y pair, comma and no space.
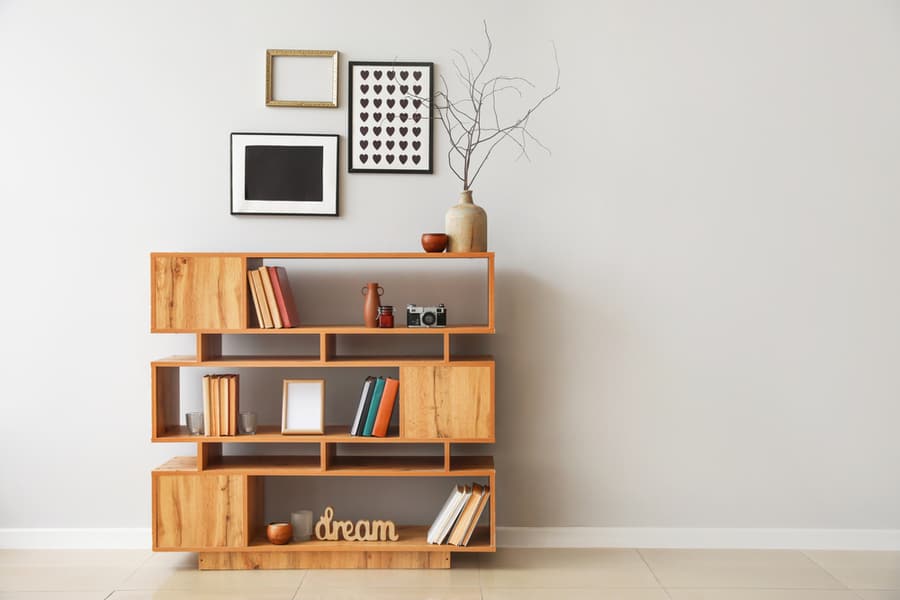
376,405
459,515
220,404
273,298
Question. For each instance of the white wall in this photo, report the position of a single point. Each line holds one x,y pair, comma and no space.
697,293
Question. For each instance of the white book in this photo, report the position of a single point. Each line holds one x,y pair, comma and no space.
452,501
447,525
362,404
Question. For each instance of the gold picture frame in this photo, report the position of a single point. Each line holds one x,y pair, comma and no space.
303,406
308,103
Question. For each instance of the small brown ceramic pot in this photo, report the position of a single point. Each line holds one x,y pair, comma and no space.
434,242
279,533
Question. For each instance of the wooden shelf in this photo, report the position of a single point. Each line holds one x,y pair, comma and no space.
314,361
365,466
335,434
334,255
412,538
343,330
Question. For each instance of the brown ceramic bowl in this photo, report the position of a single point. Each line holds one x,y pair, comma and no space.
279,533
434,242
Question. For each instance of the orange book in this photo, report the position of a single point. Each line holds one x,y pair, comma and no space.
207,406
284,297
214,404
260,298
485,498
223,404
458,534
386,407
270,297
254,293
233,406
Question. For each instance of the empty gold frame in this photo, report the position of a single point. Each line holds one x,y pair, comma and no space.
318,90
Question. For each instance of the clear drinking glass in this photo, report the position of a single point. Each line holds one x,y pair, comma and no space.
301,521
248,423
194,422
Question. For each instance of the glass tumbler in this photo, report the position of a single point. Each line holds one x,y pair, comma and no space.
301,520
194,422
248,423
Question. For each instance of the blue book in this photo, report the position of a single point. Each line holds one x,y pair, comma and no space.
373,409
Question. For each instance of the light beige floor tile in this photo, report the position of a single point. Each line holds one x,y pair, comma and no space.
174,560
711,594
393,578
861,570
53,595
389,593
62,578
74,558
188,578
775,569
565,568
879,595
182,595
570,594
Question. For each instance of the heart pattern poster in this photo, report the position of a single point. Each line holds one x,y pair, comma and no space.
390,117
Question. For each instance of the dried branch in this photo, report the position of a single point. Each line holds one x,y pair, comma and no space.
472,141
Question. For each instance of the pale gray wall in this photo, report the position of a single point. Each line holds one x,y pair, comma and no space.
697,293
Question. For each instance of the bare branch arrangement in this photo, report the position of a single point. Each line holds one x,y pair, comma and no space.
473,122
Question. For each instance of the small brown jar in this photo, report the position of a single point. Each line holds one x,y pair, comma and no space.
386,317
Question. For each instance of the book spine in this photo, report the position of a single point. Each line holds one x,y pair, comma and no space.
386,407
373,409
270,297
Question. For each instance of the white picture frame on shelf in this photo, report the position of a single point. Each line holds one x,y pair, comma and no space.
303,407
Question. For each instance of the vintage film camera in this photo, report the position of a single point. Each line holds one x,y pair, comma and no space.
426,316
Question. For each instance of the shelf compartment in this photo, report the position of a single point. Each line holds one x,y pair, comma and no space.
412,538
341,330
271,434
340,466
314,361
267,465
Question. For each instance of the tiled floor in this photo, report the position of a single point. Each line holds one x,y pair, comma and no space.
510,574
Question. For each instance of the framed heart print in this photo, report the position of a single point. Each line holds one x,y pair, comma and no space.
390,117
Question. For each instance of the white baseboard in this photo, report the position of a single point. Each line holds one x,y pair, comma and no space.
529,537
82,538
652,537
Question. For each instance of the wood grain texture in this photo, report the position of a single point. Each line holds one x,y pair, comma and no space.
190,293
323,560
451,401
197,511
209,346
254,523
166,399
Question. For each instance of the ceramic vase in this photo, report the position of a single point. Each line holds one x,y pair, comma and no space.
372,293
466,225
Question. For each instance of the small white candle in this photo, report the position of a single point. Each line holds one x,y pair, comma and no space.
301,521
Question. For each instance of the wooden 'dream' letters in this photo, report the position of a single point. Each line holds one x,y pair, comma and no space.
363,531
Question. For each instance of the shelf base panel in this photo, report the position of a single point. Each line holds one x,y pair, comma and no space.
219,561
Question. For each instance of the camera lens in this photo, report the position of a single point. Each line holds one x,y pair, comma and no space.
428,318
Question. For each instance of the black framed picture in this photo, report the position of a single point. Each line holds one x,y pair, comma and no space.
284,174
390,127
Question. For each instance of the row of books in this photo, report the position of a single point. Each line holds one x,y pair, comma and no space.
456,522
220,404
273,298
376,405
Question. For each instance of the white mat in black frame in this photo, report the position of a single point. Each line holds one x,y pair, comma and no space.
390,129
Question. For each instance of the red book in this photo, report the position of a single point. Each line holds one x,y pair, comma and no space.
386,408
287,307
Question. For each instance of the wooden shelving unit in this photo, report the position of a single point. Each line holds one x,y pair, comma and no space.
212,503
